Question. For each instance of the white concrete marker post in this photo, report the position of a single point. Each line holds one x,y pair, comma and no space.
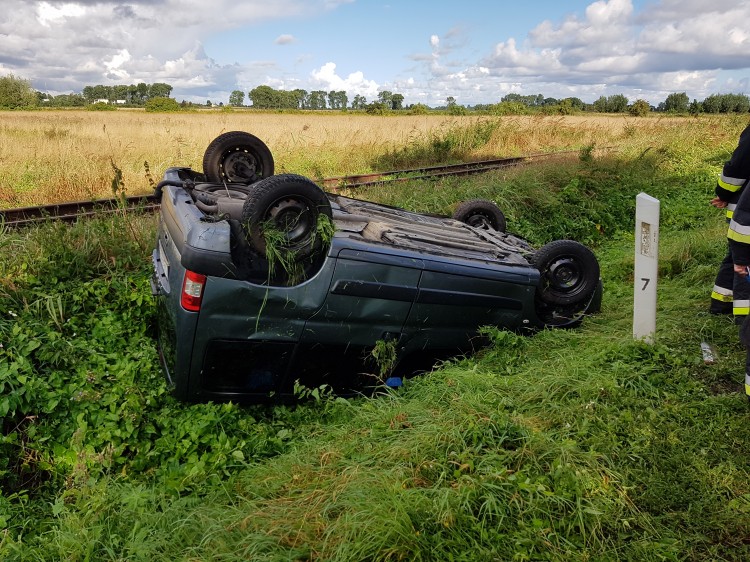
646,267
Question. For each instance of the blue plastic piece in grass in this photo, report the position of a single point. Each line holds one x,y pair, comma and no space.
393,382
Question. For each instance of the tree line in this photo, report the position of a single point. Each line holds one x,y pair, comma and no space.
265,97
17,93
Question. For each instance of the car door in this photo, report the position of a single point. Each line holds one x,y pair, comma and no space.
455,299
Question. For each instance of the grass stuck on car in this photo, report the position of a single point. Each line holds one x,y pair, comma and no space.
266,284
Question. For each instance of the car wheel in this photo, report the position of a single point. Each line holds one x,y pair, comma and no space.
569,273
481,213
290,205
237,157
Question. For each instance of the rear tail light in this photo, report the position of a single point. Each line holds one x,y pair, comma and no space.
192,291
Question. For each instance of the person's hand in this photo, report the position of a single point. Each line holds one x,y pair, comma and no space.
741,270
718,203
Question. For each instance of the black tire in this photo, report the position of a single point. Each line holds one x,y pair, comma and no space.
569,274
481,213
292,204
237,157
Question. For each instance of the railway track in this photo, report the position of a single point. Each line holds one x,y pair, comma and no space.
75,210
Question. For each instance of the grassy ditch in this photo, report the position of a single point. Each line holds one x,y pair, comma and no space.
564,445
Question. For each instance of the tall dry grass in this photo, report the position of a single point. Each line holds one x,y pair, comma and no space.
54,156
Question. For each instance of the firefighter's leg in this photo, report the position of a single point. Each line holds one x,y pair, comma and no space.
722,294
745,341
741,297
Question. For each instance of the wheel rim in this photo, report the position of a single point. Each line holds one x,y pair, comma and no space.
479,220
240,165
294,218
565,276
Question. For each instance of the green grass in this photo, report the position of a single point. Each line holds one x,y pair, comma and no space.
563,445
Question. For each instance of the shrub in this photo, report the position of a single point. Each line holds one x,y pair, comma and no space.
162,105
16,93
419,109
100,106
639,108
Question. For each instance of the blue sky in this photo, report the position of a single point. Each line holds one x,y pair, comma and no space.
475,51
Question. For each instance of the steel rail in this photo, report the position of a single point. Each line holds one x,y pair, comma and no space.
74,210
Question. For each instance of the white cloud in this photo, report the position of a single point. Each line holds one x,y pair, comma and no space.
159,37
49,15
325,78
285,40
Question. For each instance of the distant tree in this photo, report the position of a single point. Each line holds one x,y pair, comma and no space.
141,92
600,104
397,102
537,100
612,104
742,104
98,92
16,93
208,103
640,108
337,99
735,103
263,97
68,100
418,109
298,96
617,104
576,103
726,103
565,107
287,99
237,98
359,102
695,108
509,108
159,90
450,101
376,108
677,103
317,99
384,97
160,105
457,109
120,92
712,104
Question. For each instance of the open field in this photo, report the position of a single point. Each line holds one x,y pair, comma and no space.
55,156
562,445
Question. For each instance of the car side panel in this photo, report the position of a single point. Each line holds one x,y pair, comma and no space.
453,302
370,298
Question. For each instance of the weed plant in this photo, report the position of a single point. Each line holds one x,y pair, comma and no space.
561,445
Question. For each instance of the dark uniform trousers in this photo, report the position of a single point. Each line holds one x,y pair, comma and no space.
730,287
